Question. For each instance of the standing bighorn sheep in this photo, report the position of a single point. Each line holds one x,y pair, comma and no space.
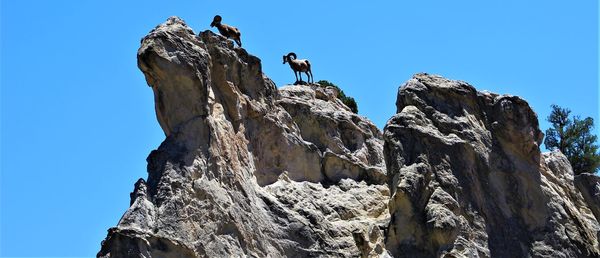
299,66
226,30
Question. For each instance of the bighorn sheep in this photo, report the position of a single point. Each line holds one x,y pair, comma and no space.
299,66
226,30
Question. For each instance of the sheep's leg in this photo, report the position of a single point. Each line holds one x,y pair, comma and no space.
296,74
307,75
300,73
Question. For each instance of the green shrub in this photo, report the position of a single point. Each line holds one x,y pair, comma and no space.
347,100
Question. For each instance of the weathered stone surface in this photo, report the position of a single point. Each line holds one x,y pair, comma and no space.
467,178
589,185
246,169
249,170
350,145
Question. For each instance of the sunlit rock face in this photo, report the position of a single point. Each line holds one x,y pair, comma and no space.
250,170
247,169
467,179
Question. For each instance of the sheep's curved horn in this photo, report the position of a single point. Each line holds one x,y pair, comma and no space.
292,55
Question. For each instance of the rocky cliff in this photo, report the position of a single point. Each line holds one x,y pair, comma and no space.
467,178
247,169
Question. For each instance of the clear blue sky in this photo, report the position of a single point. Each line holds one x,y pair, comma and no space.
78,119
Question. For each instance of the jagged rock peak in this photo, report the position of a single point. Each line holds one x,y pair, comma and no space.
191,91
247,169
467,178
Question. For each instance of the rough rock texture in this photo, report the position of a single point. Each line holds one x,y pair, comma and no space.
246,169
249,170
351,146
589,185
467,179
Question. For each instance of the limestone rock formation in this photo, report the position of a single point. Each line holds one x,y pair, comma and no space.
467,179
247,169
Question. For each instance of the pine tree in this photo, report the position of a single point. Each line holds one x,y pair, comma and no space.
574,138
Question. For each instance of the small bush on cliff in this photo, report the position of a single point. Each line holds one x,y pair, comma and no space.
574,138
347,100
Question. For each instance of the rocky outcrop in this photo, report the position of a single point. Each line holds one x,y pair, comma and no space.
351,146
247,169
467,178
